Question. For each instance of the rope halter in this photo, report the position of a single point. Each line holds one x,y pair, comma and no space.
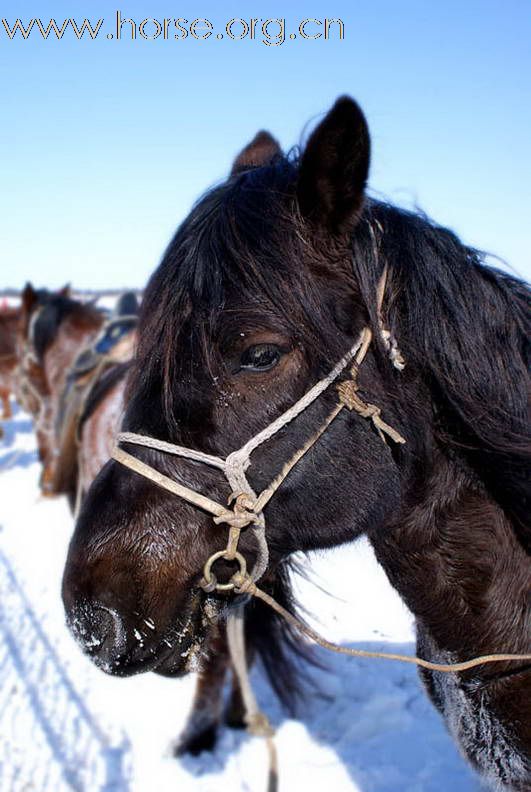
248,507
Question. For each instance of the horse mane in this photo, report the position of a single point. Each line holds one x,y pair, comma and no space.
465,327
55,308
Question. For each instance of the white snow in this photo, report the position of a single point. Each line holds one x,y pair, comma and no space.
65,725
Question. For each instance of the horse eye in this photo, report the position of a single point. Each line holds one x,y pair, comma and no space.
260,357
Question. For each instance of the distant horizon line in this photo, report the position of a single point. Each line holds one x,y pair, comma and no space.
12,292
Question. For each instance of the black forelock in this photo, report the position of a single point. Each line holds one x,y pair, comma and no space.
213,245
238,244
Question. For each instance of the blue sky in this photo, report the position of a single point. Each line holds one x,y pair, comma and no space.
104,145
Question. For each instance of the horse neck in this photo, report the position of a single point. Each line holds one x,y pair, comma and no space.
458,565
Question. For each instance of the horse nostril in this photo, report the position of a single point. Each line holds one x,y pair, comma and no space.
100,632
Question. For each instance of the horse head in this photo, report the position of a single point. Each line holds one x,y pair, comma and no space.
255,300
294,335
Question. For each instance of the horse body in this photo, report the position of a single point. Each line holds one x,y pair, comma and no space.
263,289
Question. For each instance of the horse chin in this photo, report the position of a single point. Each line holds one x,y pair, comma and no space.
122,647
192,652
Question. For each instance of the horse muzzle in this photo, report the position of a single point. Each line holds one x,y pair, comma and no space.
123,646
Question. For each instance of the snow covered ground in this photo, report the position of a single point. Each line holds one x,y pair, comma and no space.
64,725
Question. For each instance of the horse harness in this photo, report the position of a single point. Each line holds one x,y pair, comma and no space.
248,508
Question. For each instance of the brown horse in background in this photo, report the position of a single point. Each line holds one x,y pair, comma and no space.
32,390
9,321
56,332
102,414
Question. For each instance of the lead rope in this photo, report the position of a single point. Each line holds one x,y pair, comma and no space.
256,721
244,585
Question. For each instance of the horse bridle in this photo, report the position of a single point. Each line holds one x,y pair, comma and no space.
248,507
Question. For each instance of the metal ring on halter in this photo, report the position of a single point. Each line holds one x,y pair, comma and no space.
209,581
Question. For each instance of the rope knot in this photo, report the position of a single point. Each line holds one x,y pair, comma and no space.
209,585
348,395
395,355
258,725
242,513
243,584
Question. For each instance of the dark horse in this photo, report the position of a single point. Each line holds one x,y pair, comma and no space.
264,287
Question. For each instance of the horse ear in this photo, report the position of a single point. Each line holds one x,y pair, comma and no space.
66,291
334,169
262,149
29,297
